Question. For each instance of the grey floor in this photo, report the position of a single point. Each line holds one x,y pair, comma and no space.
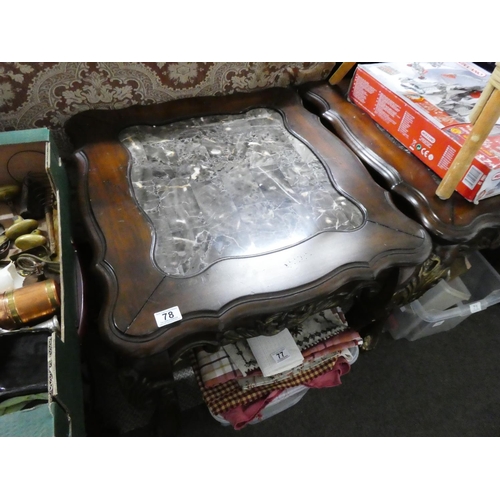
447,384
443,385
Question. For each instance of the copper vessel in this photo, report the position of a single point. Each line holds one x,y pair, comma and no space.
28,304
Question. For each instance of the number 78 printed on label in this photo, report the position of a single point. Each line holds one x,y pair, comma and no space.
168,316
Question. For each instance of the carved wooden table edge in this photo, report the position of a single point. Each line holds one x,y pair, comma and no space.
453,221
390,163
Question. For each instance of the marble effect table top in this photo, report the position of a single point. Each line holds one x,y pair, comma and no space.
230,186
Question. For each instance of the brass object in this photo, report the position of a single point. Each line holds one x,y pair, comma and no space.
429,273
369,342
29,241
28,264
30,303
9,192
24,226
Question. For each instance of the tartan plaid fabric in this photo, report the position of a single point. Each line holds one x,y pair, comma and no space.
216,368
316,357
242,415
228,395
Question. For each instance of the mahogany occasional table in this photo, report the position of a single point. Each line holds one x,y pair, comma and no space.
217,218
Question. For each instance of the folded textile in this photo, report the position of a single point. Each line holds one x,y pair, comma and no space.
275,353
236,360
313,330
285,399
234,387
344,337
333,349
316,358
242,357
216,368
223,397
243,414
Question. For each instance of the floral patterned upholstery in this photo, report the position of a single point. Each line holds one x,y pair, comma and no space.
36,95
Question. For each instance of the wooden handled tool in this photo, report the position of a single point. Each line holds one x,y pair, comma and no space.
483,117
340,73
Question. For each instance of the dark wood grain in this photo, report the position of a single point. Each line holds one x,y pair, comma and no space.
451,221
232,291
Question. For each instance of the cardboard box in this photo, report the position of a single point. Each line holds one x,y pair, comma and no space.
426,107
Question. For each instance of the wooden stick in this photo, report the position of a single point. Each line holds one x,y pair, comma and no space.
480,131
493,82
340,73
483,99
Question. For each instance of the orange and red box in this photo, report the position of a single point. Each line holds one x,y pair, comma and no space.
425,106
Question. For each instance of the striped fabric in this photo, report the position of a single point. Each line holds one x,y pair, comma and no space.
216,368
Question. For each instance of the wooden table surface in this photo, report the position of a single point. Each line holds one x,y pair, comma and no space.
413,184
